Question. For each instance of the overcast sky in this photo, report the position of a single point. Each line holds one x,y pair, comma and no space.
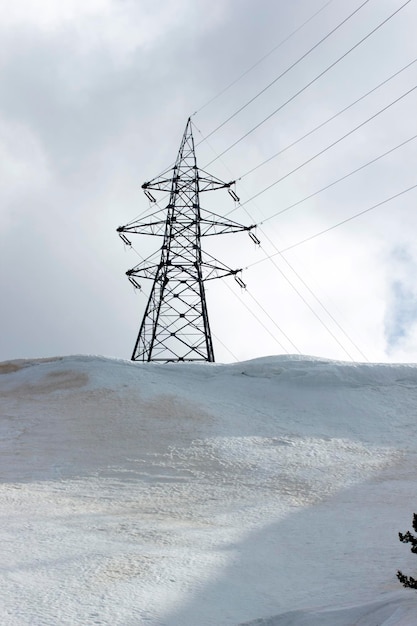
94,98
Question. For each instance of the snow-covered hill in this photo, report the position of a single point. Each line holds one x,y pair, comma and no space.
265,492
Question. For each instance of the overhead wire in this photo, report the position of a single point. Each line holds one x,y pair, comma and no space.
205,138
357,169
225,347
280,252
330,228
308,305
338,180
273,321
288,69
261,322
322,322
330,119
258,63
300,295
286,72
265,56
311,82
292,144
270,257
331,145
315,156
327,186
334,320
304,283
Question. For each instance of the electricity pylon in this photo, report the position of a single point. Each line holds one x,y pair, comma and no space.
175,325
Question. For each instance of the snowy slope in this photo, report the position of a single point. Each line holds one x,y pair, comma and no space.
265,492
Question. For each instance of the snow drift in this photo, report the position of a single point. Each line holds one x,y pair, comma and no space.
265,492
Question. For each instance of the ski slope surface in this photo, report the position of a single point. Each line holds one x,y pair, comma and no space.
264,493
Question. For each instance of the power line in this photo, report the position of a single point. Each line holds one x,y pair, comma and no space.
326,230
314,296
334,143
260,321
301,58
301,279
273,321
281,252
265,56
308,84
274,81
317,300
310,132
384,82
308,305
316,128
278,252
298,276
225,347
338,180
300,295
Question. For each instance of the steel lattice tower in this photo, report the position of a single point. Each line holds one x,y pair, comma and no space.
175,325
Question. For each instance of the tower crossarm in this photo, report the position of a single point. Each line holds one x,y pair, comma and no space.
153,224
143,271
218,271
205,181
210,224
208,182
160,183
213,268
213,224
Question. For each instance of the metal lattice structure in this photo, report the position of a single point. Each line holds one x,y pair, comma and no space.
175,325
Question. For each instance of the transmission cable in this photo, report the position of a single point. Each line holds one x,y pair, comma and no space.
291,145
334,143
257,63
287,70
307,85
308,305
338,180
225,347
317,300
265,56
312,158
296,273
260,321
326,230
330,119
295,95
297,140
305,301
298,276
